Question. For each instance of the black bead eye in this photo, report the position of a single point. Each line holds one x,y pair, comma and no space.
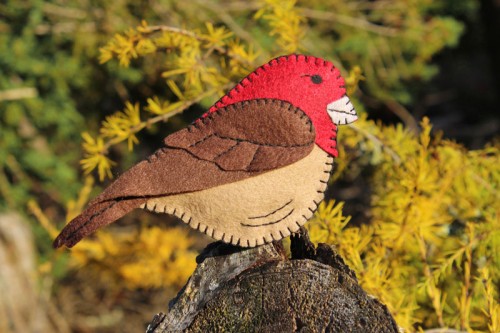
316,79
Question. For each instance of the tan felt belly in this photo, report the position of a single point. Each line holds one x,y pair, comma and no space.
256,210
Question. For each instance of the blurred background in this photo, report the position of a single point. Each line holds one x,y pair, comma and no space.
64,74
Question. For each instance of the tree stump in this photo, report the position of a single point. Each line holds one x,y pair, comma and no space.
260,290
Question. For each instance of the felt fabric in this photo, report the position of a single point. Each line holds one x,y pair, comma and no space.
212,153
94,217
221,149
342,111
294,79
257,210
275,132
251,170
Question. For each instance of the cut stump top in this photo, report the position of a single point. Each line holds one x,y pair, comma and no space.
260,290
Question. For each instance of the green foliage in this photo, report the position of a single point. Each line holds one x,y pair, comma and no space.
434,233
431,202
393,41
37,112
47,85
285,21
202,64
431,249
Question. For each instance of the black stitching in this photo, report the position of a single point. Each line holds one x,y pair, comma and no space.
202,159
263,101
249,167
155,155
282,236
195,124
339,111
271,63
226,151
102,211
271,213
269,223
202,140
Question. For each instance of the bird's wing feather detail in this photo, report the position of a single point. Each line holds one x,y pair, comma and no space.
92,218
264,129
270,134
234,143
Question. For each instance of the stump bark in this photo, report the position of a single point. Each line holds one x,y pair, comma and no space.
261,290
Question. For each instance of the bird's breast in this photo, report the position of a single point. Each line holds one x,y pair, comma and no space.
256,210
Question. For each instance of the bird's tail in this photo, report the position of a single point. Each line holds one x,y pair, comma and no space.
98,214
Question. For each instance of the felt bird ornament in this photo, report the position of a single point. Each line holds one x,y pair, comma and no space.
252,170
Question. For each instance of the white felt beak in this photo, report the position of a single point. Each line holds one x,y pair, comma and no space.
342,111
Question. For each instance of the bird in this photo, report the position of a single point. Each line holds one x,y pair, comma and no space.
251,170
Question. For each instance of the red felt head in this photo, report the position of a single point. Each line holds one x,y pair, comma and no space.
307,82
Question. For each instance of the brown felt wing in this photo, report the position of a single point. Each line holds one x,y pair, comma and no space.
256,135
234,143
